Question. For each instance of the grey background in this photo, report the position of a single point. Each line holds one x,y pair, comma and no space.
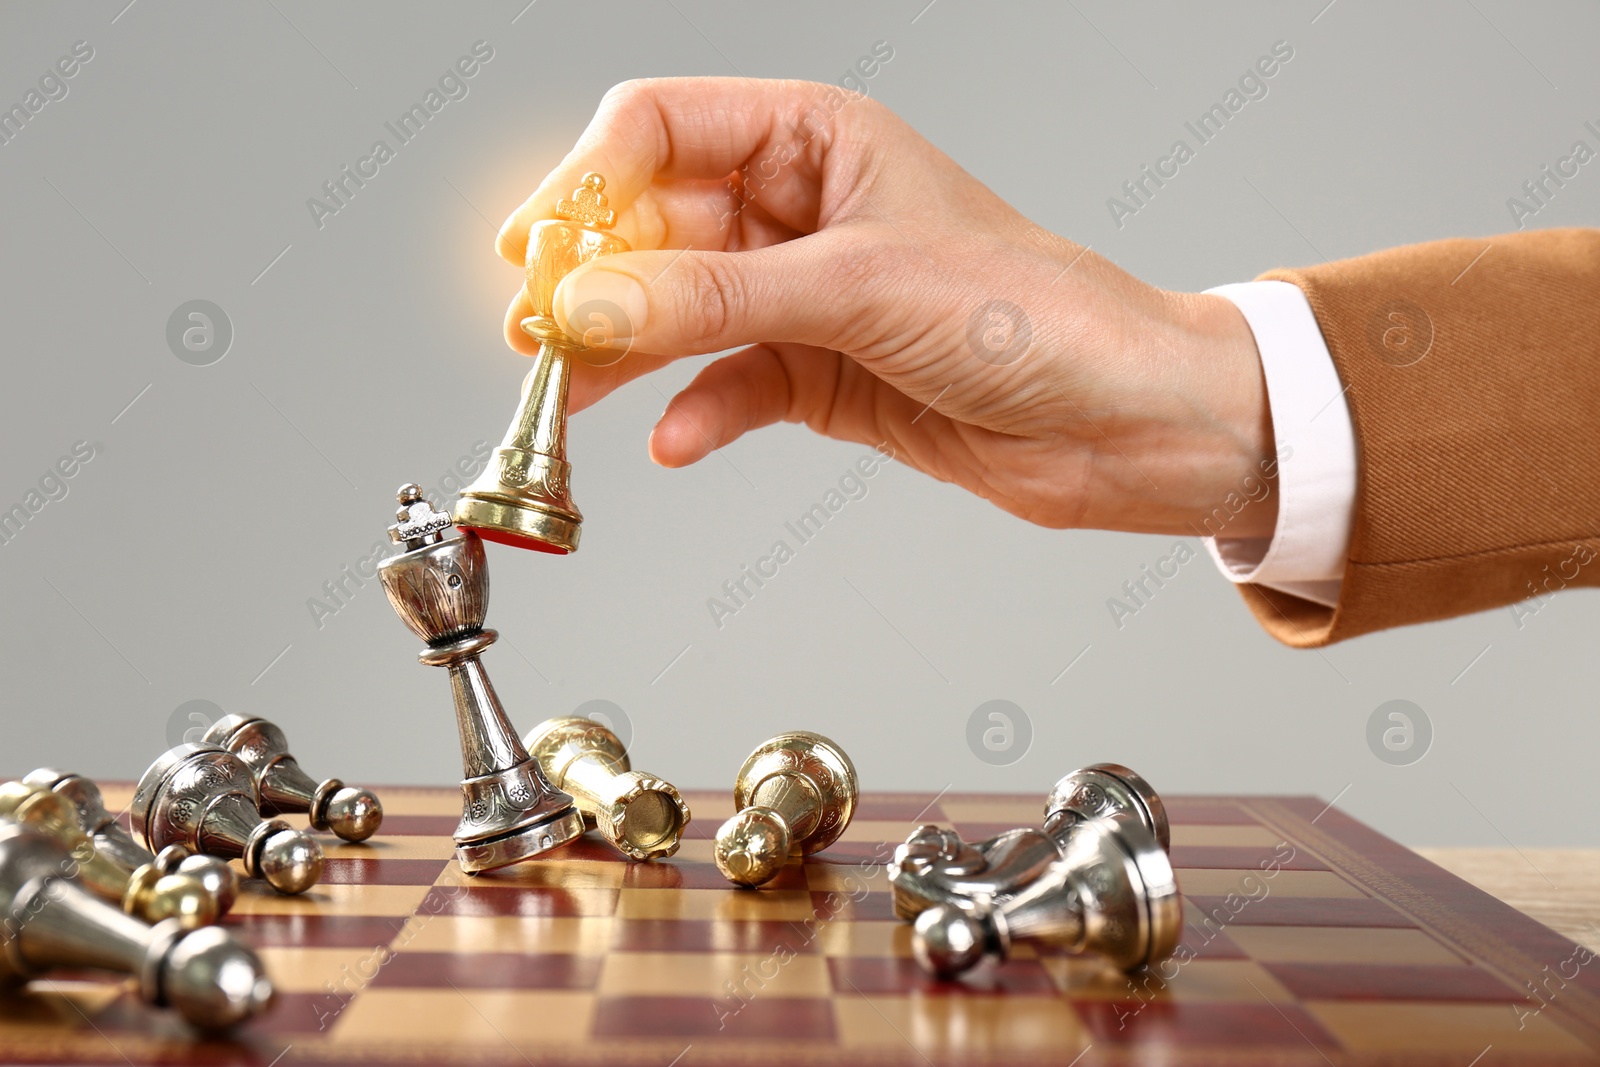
368,352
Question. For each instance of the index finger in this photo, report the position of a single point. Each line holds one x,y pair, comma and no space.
667,128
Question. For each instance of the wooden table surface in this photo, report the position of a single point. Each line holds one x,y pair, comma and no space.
1558,886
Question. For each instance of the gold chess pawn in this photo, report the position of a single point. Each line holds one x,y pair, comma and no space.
641,815
523,497
145,893
795,792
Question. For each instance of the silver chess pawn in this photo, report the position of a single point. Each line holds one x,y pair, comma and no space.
1111,892
51,921
285,789
935,866
439,586
641,815
144,892
112,841
203,797
795,792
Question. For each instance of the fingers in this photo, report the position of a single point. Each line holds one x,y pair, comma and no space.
815,290
765,384
726,400
672,128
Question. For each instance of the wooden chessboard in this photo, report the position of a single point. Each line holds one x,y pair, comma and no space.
1356,951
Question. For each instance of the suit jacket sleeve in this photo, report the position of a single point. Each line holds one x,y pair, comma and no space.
1474,387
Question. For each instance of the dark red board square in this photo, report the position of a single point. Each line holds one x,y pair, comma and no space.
1206,811
362,871
704,935
1359,981
1299,911
496,900
419,825
795,1018
489,970
911,809
1243,858
893,975
1173,1024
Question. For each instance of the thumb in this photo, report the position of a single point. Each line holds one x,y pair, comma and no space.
679,303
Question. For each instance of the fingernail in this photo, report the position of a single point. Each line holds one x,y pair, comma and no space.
601,308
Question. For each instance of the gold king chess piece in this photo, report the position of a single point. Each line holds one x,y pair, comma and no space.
523,497
795,792
641,815
439,586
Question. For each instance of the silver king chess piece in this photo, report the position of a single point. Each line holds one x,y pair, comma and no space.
935,866
439,586
111,840
1110,892
204,797
51,921
641,815
351,813
795,792
144,892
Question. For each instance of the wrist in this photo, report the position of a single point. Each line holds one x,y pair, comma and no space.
1234,451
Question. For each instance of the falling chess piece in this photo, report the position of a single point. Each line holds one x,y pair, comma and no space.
145,892
795,792
523,497
641,815
50,920
285,789
935,866
1111,892
1106,791
203,797
112,840
439,587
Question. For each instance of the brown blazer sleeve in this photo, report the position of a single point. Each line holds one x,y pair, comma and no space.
1472,370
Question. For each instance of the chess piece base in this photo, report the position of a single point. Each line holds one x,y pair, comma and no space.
518,525
475,857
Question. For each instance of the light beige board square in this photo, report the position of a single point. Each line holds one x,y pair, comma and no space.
546,874
939,1026
397,847
51,1005
533,934
710,974
313,970
1216,882
697,850
875,939
118,797
1009,812
1226,981
731,905
1462,1030
1333,944
334,900
873,831
486,1017
1244,836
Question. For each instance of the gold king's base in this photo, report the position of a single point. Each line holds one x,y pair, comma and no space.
519,525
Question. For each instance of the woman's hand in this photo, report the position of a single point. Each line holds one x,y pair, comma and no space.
883,295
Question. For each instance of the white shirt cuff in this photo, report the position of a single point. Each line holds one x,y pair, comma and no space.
1316,450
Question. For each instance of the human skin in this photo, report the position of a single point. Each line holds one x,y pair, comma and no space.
857,270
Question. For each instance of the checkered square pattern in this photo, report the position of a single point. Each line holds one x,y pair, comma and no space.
1309,939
